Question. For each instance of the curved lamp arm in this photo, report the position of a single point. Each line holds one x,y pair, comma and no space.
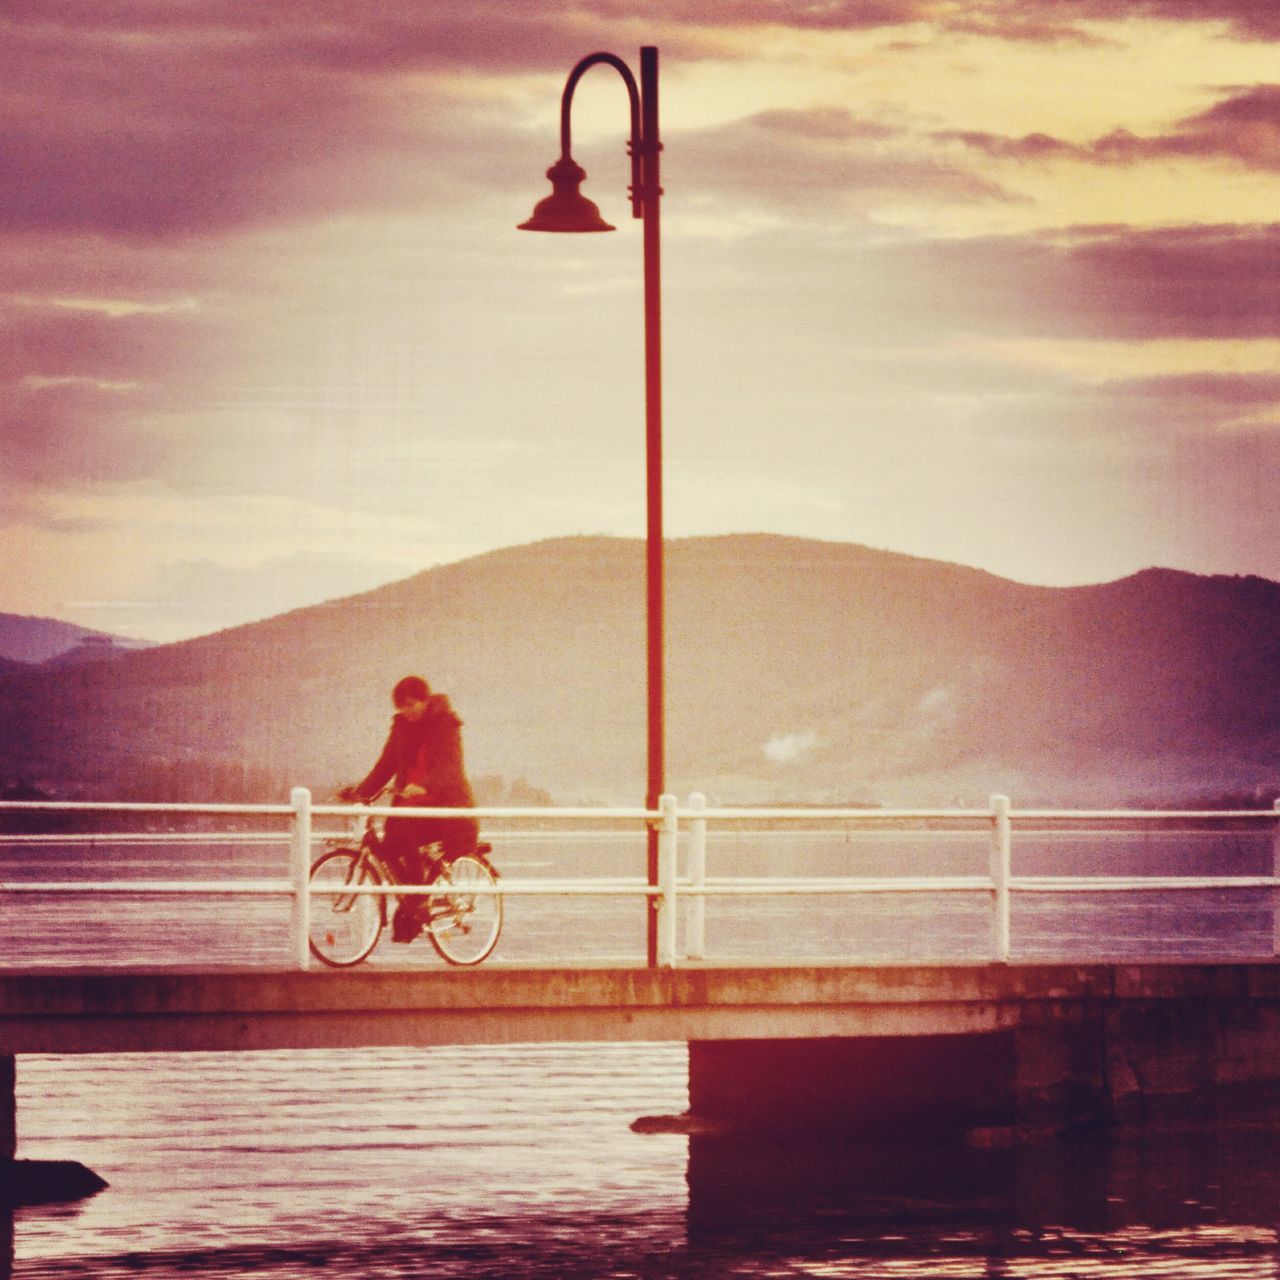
635,146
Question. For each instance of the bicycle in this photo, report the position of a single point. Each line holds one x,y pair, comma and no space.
463,919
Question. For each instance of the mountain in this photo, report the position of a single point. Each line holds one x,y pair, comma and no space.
797,671
26,639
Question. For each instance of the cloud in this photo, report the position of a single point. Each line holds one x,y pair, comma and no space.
1146,415
809,160
72,433
83,388
852,294
936,712
787,748
1110,282
1246,19
802,15
824,124
1200,281
1244,127
54,340
1044,21
199,596
936,701
1031,146
1230,390
1074,21
147,120
208,279
280,35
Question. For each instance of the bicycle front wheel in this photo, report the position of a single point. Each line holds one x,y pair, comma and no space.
345,926
465,918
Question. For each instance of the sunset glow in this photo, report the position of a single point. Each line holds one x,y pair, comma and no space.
988,282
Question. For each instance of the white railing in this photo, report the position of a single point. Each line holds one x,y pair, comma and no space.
671,890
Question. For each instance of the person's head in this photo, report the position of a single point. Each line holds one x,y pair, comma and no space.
409,697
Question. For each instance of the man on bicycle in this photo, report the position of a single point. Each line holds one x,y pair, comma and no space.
423,755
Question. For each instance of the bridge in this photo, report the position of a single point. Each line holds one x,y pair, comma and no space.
990,1045
1069,1042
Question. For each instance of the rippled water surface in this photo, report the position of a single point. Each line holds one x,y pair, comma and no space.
520,1161
277,1163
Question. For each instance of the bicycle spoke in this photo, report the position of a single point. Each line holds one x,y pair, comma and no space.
344,926
464,924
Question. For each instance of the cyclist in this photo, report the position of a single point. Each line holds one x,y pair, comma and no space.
423,756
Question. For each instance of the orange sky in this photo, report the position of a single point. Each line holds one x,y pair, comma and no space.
992,282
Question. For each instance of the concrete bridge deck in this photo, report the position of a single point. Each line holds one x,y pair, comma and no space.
86,1012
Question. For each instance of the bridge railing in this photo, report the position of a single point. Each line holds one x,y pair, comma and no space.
999,820
677,896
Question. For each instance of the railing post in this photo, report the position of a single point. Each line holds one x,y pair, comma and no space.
300,874
1001,867
1275,871
695,935
667,846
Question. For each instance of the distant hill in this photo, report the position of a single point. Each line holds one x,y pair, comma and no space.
797,670
26,639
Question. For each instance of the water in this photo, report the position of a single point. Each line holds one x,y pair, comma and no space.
281,1163
519,1161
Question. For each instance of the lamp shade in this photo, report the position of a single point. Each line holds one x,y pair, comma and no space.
566,208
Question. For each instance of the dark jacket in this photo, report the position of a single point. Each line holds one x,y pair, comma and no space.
428,753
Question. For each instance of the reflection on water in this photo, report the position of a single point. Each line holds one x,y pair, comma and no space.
217,1160
519,1161
1194,1204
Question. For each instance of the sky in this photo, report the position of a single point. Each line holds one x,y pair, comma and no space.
989,281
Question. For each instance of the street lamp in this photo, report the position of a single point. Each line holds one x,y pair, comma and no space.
567,209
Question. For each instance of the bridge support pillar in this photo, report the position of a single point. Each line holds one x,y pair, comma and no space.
32,1181
781,1123
8,1107
1134,1063
1153,1063
874,1086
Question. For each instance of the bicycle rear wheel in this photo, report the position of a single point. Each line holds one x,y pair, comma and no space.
345,927
465,918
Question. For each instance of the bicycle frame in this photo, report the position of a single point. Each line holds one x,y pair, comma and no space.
370,846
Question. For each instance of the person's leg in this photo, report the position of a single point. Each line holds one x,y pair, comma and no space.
397,845
400,849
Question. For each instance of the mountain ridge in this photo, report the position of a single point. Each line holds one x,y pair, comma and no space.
26,638
797,670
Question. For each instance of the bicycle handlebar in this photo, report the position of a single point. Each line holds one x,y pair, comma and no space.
348,795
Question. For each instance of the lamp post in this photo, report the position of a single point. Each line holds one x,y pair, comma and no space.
568,210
